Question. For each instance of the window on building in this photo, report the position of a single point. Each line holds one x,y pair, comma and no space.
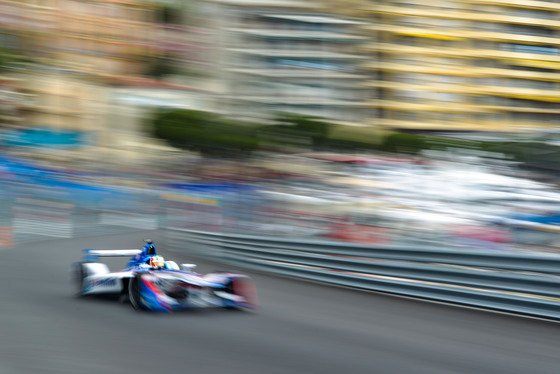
406,40
486,63
530,68
536,117
486,26
515,28
532,13
409,96
531,83
523,103
405,116
484,44
531,48
486,100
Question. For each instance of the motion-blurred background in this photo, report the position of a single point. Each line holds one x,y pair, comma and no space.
392,122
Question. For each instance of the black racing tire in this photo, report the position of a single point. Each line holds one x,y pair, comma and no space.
229,289
135,293
78,274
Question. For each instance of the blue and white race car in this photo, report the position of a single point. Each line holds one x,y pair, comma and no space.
151,283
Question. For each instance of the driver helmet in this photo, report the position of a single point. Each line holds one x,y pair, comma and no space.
156,262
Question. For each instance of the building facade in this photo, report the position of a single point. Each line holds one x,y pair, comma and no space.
442,65
77,50
472,65
287,56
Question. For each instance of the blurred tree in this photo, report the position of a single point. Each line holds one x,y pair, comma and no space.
11,59
301,129
354,139
205,132
404,143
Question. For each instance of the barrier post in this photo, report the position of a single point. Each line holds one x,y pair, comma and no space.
6,236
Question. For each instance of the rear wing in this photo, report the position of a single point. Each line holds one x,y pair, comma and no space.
93,254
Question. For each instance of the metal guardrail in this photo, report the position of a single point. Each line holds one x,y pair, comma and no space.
521,283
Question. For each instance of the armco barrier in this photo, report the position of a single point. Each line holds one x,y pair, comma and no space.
520,283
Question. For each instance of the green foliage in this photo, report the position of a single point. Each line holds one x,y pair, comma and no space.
533,154
344,145
404,143
354,139
297,129
204,132
530,154
212,134
10,59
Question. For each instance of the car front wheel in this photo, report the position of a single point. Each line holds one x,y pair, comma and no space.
135,292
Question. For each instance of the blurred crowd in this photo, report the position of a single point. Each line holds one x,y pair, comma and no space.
369,199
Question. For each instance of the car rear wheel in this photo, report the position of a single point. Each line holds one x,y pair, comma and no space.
78,273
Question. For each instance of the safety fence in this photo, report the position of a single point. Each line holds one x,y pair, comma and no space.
37,211
34,212
38,203
521,283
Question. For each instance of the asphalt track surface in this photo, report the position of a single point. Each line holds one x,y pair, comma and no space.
301,327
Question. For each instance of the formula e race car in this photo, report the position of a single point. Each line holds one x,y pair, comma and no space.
151,283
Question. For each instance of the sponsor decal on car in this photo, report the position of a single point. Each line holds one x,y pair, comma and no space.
107,282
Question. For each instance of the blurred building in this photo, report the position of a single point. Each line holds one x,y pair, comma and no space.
12,100
106,38
79,51
443,65
184,40
287,56
464,64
